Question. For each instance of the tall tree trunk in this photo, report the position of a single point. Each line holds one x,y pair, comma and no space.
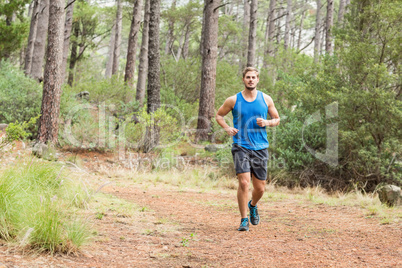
181,43
317,37
287,24
109,63
281,13
30,8
301,26
143,66
73,56
341,12
170,34
116,51
246,27
67,33
187,41
292,32
40,41
328,26
252,37
208,75
132,43
31,37
154,98
323,31
49,120
269,42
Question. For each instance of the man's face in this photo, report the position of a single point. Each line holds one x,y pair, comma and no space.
251,80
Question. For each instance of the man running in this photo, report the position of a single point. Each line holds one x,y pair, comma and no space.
250,108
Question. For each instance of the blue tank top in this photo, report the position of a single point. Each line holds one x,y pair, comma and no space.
245,114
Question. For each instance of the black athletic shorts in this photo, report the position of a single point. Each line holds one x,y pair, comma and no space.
246,160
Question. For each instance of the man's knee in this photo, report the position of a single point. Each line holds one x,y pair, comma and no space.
244,181
258,185
259,189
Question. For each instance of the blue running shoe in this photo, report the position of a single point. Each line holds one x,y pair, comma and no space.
243,225
254,217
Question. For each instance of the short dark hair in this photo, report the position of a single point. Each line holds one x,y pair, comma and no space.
250,69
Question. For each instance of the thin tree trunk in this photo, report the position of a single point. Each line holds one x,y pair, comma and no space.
109,63
301,27
323,31
154,99
116,51
266,29
40,41
30,8
329,23
271,31
292,32
143,66
73,56
317,37
281,13
49,120
180,48
170,34
67,33
287,24
208,76
252,37
246,27
31,37
187,41
341,12
132,43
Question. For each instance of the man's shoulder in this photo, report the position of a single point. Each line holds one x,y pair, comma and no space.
231,100
267,98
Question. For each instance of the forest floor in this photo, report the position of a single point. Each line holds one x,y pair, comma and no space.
174,226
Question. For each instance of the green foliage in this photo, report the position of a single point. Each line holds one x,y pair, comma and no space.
289,142
225,160
81,128
183,18
14,27
135,132
180,88
182,78
19,131
20,96
91,124
38,208
228,82
108,91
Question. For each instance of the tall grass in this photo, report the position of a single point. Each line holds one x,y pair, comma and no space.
39,208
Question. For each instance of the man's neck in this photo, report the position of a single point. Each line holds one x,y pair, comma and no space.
248,92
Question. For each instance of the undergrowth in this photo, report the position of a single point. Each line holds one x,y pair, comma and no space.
39,208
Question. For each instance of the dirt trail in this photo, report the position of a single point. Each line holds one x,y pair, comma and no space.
191,229
187,228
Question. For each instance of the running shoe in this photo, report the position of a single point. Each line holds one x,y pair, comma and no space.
254,217
243,225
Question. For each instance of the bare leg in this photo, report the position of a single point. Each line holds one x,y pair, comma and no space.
258,190
242,192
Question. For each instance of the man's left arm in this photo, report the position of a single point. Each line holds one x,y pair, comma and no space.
273,113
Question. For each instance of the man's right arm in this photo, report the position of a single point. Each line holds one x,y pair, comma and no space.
227,106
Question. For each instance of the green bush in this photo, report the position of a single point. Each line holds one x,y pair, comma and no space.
20,96
182,78
39,208
19,131
81,128
108,91
135,133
